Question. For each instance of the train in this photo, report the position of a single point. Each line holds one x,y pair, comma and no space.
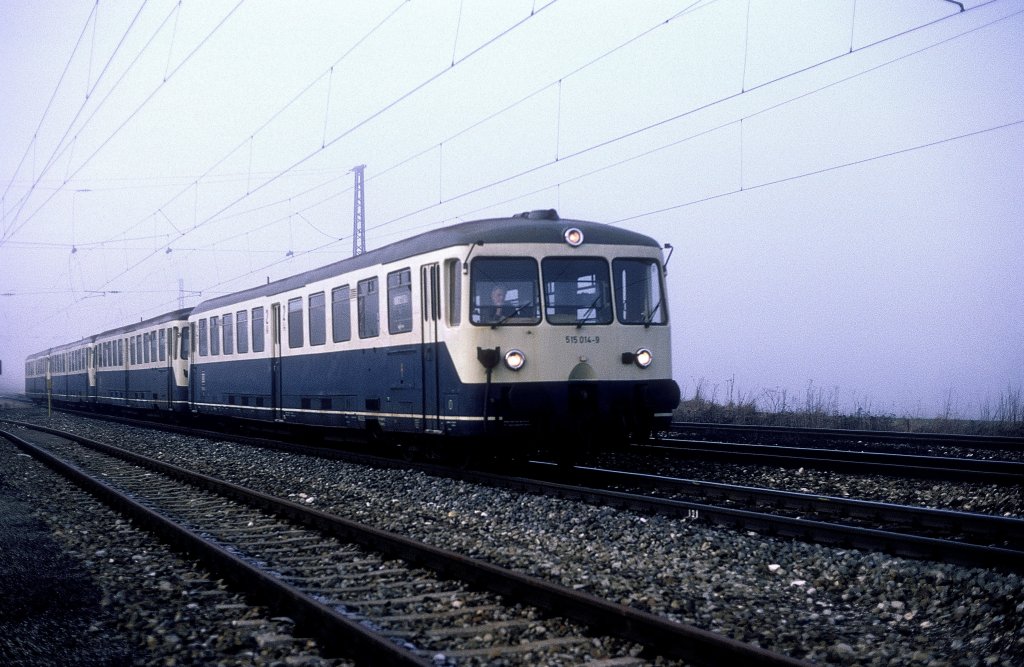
527,329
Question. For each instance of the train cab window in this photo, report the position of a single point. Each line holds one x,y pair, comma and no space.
453,288
638,293
400,301
257,329
228,327
341,314
576,290
368,308
317,319
162,344
295,322
504,291
242,331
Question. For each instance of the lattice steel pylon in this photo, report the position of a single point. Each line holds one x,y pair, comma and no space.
359,213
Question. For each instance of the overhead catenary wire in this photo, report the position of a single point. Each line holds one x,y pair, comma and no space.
619,162
124,123
585,150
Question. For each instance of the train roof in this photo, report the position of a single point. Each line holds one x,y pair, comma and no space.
174,315
533,227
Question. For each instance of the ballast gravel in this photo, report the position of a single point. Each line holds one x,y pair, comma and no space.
824,605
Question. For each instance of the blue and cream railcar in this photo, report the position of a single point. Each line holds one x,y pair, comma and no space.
143,365
37,372
60,374
523,325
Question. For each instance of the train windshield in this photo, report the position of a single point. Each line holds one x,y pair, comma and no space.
577,290
505,290
638,295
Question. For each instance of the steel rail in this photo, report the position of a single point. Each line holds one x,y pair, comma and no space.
965,440
874,463
332,630
660,634
950,522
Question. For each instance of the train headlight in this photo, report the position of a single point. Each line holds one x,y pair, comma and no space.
643,357
573,237
514,360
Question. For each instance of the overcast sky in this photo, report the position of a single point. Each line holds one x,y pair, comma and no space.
841,179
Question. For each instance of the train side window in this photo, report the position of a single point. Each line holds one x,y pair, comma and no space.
242,331
295,322
152,346
204,348
257,329
162,344
214,335
186,337
638,293
228,328
120,351
368,308
400,301
504,290
453,288
145,347
317,319
341,314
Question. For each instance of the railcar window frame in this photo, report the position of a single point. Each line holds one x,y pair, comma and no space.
453,288
317,318
296,337
186,341
654,308
214,335
242,331
400,301
577,291
368,307
227,326
341,313
258,339
513,275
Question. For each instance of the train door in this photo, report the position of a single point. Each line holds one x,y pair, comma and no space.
91,391
430,306
275,361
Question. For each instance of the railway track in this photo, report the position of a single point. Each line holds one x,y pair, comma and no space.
960,537
341,582
963,538
945,468
816,435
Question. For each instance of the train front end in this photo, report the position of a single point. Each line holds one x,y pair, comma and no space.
569,340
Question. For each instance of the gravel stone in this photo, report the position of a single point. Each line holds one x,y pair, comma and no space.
829,606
